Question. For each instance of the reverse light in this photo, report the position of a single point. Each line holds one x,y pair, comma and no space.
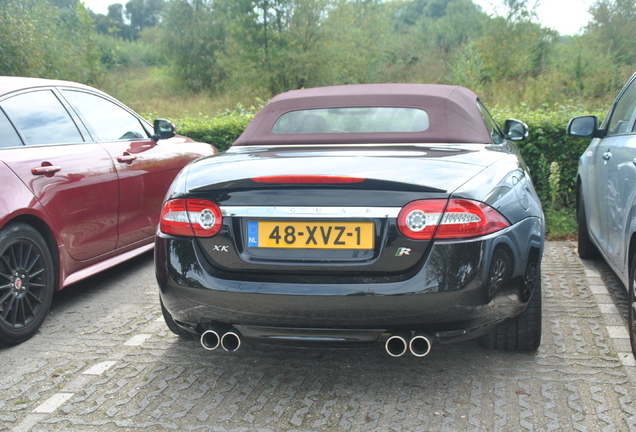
191,218
307,179
444,219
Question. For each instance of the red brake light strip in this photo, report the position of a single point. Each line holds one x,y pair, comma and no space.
307,179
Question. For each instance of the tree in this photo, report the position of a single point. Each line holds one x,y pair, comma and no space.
273,45
513,47
113,24
520,10
195,40
63,3
448,24
613,25
41,40
408,12
429,34
298,57
116,13
144,13
358,41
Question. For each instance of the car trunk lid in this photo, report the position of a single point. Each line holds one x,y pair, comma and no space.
285,226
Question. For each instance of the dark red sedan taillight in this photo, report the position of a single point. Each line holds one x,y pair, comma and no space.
444,219
191,218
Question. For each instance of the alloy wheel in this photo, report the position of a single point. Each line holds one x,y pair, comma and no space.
498,272
530,281
23,275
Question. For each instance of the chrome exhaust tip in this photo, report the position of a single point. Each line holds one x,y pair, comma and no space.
396,345
421,344
231,341
210,340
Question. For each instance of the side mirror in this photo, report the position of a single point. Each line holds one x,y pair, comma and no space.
515,130
583,126
164,129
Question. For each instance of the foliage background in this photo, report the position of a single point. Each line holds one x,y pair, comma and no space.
202,62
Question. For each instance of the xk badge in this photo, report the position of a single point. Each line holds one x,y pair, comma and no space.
403,251
218,248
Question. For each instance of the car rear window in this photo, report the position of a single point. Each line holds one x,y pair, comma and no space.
355,119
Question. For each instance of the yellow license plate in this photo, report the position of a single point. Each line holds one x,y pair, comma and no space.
310,235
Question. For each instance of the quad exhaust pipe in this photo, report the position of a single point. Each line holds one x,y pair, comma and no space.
210,340
419,344
230,341
397,344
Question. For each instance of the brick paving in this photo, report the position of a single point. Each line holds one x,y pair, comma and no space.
104,360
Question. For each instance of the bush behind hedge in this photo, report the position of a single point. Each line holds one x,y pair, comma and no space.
547,141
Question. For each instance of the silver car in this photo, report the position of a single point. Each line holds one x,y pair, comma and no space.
606,191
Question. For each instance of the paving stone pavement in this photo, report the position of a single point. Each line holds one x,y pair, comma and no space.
104,360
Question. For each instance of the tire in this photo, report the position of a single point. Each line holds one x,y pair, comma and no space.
172,325
522,333
499,272
27,282
632,304
587,249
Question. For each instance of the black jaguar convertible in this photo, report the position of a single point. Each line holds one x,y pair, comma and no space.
397,215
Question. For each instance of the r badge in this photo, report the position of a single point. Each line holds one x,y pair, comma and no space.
403,251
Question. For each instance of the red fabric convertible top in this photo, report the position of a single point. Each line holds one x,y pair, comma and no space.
452,110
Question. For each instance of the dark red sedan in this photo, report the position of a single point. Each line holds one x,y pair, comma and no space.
83,178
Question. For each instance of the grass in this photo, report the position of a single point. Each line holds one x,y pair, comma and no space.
561,224
153,92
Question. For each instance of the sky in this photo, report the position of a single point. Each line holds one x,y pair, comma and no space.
568,17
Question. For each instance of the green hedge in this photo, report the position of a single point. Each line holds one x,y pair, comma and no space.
220,131
546,143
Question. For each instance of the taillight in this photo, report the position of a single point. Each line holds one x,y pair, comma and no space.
443,219
418,220
191,218
307,179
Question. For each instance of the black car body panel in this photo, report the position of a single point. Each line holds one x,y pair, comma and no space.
231,284
303,295
449,301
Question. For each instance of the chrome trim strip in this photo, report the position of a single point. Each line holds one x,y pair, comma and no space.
312,212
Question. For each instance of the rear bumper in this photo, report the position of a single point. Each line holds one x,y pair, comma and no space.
448,301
